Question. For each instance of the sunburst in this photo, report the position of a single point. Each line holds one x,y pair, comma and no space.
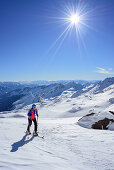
74,16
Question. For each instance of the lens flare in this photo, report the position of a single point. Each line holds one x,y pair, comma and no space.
75,19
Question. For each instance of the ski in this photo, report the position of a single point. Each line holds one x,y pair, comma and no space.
41,137
34,135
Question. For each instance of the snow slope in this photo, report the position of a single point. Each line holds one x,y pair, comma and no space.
38,93
78,106
66,145
16,95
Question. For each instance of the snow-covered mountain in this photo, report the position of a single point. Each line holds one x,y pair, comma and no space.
72,103
6,87
103,84
39,93
16,95
66,144
44,82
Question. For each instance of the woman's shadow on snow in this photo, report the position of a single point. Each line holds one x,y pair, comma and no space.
20,143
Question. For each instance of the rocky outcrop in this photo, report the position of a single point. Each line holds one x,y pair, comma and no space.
102,120
102,124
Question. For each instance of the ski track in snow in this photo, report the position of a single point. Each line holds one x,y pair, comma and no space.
66,146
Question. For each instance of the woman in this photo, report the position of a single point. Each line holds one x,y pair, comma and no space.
33,112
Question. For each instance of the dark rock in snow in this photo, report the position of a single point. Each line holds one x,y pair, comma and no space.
102,124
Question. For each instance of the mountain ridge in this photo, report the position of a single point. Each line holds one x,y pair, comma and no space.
16,96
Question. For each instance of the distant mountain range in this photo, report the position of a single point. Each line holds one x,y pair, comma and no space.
15,95
44,82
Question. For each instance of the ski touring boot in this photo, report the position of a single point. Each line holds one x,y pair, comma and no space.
35,133
28,132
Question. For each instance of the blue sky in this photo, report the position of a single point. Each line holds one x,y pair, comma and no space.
28,28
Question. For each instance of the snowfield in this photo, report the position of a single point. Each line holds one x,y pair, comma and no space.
66,145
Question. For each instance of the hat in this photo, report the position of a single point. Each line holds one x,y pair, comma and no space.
33,105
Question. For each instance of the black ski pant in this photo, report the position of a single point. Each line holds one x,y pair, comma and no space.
30,123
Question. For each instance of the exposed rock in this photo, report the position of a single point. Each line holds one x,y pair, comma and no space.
111,112
102,124
87,115
101,120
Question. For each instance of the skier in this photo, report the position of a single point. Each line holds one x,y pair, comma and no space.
33,112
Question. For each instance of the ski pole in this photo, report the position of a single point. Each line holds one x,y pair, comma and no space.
37,121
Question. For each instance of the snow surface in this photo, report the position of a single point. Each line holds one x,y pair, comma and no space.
66,144
66,106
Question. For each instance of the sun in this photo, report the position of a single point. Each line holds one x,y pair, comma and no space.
75,19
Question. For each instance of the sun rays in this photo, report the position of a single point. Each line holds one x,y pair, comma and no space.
73,17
